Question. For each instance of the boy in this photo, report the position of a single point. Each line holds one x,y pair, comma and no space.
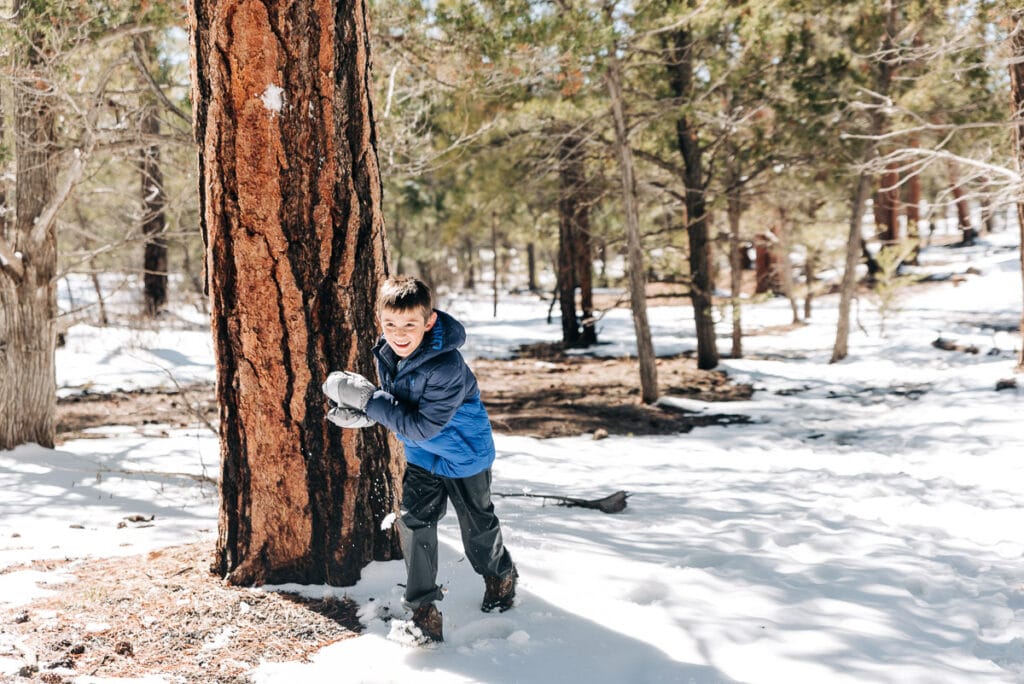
430,399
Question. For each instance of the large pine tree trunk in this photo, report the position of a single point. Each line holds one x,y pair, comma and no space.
28,302
635,256
680,68
1017,103
290,197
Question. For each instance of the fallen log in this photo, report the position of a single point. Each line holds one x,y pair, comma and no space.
613,503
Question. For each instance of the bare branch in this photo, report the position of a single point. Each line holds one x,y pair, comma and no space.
926,155
140,64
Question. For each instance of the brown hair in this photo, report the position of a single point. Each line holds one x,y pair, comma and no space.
405,293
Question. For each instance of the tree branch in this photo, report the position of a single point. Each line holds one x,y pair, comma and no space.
49,213
140,65
9,260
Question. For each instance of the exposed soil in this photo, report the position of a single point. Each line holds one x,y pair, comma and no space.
542,392
163,613
546,393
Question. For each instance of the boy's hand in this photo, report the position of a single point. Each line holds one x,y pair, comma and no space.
346,417
349,389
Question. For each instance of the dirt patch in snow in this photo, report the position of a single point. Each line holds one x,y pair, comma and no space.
542,392
164,613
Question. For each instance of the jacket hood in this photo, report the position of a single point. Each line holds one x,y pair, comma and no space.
446,335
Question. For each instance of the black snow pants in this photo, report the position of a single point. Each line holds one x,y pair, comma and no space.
424,502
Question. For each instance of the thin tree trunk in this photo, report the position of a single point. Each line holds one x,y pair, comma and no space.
1017,104
585,279
154,199
734,210
849,281
531,267
635,256
494,248
855,247
887,205
963,211
290,199
85,245
469,279
570,173
680,67
398,241
28,296
913,209
810,268
195,278
785,265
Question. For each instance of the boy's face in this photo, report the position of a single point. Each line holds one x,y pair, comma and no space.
404,330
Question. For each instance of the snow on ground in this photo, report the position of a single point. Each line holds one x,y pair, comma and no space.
865,527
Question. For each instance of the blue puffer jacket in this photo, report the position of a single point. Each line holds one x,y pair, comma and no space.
433,403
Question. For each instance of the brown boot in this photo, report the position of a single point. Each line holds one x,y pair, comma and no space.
499,592
428,618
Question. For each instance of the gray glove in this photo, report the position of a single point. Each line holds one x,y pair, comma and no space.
346,417
349,389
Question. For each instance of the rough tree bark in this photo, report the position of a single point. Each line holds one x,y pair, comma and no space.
1017,104
28,264
5,167
635,256
680,68
290,197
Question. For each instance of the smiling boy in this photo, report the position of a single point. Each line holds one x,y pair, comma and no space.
430,399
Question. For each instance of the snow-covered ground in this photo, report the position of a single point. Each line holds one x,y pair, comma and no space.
865,527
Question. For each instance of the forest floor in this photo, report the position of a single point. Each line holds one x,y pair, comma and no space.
164,613
542,392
